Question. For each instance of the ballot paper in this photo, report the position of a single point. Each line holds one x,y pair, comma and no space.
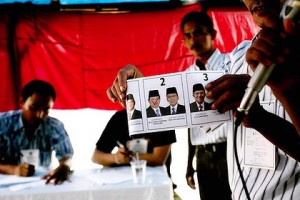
112,175
257,150
8,180
14,182
23,186
183,83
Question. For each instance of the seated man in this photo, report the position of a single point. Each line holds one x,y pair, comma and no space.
30,131
116,131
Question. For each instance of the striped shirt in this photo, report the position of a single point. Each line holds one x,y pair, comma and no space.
262,184
51,135
218,132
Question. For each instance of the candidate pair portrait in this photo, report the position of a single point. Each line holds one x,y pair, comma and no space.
155,109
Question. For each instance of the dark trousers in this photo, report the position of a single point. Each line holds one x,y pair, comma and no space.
212,172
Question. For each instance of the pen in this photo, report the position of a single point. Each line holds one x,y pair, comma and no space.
120,145
126,149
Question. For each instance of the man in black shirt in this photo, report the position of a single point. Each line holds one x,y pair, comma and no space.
159,143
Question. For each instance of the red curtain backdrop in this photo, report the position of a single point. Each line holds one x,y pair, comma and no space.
81,53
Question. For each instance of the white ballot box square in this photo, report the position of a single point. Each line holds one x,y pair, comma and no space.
170,101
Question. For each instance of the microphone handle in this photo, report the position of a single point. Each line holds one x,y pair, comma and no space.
256,83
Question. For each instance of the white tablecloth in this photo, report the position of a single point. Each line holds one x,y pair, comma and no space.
95,184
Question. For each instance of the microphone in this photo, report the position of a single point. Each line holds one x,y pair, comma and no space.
290,15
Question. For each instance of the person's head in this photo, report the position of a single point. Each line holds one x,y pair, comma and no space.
198,93
198,33
130,102
172,96
265,12
37,98
154,98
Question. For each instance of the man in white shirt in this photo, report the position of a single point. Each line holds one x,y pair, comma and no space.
261,184
206,143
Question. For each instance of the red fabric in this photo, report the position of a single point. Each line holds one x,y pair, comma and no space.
80,54
7,99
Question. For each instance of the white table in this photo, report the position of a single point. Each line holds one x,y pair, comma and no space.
97,184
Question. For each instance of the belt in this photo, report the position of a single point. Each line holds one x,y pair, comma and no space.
222,147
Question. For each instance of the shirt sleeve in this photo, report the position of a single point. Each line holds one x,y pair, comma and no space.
60,139
116,130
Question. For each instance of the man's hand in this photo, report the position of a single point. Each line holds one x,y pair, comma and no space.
24,170
117,92
122,156
271,46
190,178
227,91
59,175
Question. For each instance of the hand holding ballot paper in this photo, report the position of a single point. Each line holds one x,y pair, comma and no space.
151,98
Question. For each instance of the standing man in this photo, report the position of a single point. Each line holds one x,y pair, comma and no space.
30,131
132,113
262,184
199,94
208,147
173,98
154,110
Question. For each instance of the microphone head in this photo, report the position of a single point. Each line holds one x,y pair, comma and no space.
290,15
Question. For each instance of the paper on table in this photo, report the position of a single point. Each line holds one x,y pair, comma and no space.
13,179
7,180
23,186
112,175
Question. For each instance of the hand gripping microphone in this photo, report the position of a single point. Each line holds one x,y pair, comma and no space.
290,14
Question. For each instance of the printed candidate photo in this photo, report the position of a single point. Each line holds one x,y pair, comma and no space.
165,105
199,105
133,108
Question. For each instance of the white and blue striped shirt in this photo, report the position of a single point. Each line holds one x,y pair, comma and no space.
218,132
262,184
51,135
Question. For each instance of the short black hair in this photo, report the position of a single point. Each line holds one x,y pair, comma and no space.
40,87
199,17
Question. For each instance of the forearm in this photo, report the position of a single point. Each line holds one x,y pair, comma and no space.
290,99
158,156
191,151
102,158
151,160
7,169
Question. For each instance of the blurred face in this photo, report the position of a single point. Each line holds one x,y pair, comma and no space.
199,96
265,12
154,101
36,109
130,104
172,98
197,39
